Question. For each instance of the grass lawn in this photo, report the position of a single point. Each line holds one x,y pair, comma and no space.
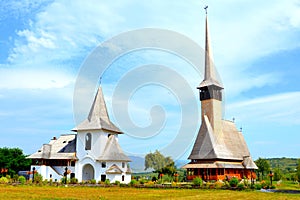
52,192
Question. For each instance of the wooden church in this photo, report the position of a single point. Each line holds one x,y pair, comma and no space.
92,153
220,150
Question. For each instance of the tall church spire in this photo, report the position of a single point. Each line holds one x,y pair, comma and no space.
209,69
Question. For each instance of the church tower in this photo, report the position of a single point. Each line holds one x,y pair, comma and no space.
210,89
220,151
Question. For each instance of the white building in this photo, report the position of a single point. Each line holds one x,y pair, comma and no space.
92,153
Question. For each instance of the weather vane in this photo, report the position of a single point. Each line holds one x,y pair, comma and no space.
205,8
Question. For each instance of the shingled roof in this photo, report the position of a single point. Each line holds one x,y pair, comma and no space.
113,151
229,144
63,147
98,118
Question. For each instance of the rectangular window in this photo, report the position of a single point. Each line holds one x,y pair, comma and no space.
103,177
103,164
123,165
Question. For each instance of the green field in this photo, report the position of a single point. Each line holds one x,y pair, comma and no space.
52,192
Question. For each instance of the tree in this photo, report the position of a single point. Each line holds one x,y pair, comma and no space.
298,170
263,166
277,174
161,164
14,160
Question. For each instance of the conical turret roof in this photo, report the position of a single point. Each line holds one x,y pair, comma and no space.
98,118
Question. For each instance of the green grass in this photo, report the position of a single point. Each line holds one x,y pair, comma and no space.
287,185
51,192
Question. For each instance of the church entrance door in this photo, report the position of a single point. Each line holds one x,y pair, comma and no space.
87,172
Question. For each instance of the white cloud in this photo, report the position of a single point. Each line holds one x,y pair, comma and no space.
280,108
16,78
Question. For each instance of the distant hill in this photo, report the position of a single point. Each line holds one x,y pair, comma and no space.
285,164
138,164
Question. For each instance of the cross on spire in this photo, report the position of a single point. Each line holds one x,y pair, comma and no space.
205,8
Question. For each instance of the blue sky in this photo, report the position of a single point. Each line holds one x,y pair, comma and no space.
256,47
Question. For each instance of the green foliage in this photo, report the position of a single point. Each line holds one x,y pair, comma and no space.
107,182
233,182
197,181
117,183
15,178
161,164
240,186
133,182
14,160
73,180
38,178
265,184
258,186
263,166
277,174
298,170
64,180
3,180
22,180
93,181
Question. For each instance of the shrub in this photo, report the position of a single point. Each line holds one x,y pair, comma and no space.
272,187
154,179
257,186
240,186
117,183
38,178
219,185
133,182
234,182
64,180
22,180
107,182
15,178
197,181
4,180
93,181
73,180
265,184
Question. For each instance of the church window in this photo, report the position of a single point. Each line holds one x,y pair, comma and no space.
88,141
123,164
103,177
123,177
103,164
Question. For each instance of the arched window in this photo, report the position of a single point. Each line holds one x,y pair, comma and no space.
88,141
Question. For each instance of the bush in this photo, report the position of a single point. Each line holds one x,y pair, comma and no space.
73,180
64,180
257,186
93,181
4,180
197,181
15,178
22,180
265,184
240,186
272,187
107,182
38,178
234,182
142,181
133,182
117,183
154,179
